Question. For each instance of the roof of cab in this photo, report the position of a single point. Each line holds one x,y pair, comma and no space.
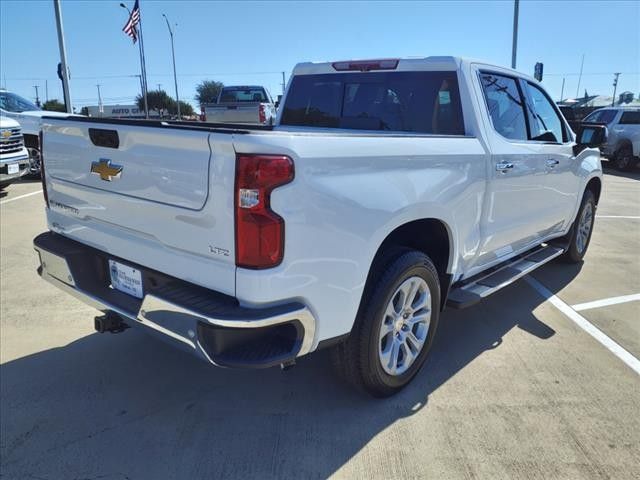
408,64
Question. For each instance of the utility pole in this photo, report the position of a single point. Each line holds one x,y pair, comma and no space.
37,98
615,86
580,76
173,57
562,91
100,106
63,57
514,46
46,90
283,83
159,86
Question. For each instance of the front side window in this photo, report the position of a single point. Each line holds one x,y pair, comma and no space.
15,103
505,105
630,118
420,102
603,117
545,122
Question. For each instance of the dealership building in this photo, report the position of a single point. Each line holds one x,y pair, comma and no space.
118,111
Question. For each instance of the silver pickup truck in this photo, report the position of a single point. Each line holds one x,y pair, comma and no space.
251,105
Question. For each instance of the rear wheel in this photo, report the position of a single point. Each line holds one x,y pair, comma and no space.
582,229
395,326
623,159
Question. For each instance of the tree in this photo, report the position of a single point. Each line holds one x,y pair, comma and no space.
185,109
54,105
157,100
207,91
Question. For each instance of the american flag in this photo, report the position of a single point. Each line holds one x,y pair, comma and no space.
134,19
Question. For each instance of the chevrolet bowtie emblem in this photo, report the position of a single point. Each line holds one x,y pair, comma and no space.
106,169
6,133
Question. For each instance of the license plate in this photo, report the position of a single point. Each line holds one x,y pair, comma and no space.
13,168
126,279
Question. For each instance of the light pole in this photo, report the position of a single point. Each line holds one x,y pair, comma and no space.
63,69
514,46
173,57
37,97
100,107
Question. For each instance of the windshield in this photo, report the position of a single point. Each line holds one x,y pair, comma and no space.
243,94
15,103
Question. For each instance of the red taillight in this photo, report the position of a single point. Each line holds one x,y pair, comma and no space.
366,65
261,114
259,230
44,181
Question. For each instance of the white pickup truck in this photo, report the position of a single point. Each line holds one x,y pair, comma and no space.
387,190
245,105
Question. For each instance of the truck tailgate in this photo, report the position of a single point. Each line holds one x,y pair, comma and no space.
155,195
238,112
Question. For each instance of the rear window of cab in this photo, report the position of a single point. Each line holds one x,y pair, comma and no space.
417,102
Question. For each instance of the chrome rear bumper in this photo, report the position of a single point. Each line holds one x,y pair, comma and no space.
211,326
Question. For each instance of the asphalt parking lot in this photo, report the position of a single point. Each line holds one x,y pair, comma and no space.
515,388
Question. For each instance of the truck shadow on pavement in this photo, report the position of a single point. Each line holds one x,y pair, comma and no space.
128,406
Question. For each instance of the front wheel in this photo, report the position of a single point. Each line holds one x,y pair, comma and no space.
623,159
582,229
34,161
395,327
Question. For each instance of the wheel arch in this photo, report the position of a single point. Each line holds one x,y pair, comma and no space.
595,185
621,143
430,236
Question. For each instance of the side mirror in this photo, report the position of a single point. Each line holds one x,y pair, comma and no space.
590,136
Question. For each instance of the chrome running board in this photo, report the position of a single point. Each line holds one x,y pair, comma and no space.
470,292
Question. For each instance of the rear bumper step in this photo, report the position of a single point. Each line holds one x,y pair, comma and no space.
208,324
475,289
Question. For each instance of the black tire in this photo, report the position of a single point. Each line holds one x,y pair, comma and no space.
575,254
623,159
357,359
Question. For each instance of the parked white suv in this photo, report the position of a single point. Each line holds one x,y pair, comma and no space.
14,158
623,145
29,116
387,190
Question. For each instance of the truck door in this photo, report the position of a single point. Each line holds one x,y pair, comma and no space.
518,209
550,136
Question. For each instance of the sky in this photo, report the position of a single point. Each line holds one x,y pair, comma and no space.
253,42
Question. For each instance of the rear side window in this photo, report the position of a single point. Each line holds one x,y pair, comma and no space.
420,102
630,118
505,105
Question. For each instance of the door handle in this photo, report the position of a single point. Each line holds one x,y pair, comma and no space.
504,166
552,162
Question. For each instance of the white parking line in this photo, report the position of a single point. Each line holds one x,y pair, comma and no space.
19,197
605,302
628,217
588,327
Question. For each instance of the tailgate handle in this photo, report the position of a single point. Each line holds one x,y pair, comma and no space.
104,138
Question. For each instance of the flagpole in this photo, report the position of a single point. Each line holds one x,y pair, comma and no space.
143,70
